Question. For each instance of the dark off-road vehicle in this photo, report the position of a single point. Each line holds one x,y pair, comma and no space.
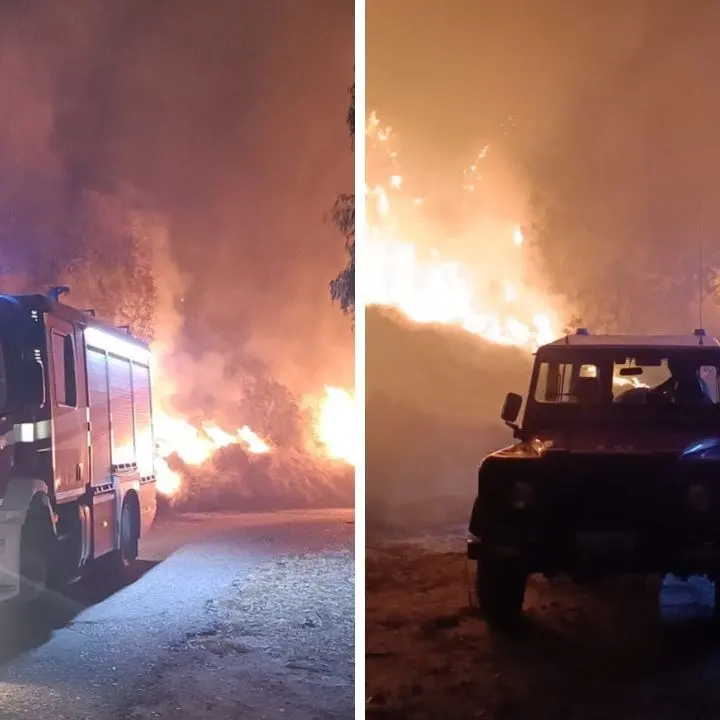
616,469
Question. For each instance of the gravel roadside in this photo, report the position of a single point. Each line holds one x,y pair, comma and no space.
279,645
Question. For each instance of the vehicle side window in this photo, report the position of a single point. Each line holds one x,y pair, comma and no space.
553,383
588,371
64,369
709,374
568,383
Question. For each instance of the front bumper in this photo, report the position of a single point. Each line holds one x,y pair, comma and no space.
599,512
603,553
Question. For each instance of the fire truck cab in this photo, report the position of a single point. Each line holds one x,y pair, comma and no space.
77,477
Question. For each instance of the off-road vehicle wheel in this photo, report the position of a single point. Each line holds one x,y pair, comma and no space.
500,592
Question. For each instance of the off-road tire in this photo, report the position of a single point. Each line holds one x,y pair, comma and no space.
500,592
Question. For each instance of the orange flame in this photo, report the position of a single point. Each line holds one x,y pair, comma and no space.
169,482
333,429
493,299
195,446
254,443
337,423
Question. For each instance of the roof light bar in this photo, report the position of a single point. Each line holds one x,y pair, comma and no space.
582,331
102,340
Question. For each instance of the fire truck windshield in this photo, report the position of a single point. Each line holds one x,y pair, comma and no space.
22,382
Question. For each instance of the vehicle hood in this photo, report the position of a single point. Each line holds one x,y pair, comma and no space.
617,442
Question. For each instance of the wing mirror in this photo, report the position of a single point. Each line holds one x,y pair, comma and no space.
511,410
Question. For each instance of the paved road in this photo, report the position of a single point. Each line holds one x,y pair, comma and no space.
119,655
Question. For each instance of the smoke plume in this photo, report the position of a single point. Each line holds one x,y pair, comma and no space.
174,163
608,112
433,399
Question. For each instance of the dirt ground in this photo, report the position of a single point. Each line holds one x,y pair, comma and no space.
582,653
280,646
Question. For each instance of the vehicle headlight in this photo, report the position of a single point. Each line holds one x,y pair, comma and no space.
698,498
521,495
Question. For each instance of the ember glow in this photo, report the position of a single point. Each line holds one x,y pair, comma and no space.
493,297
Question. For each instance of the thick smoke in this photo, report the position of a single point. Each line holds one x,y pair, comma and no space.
174,163
607,110
434,392
228,123
433,400
608,106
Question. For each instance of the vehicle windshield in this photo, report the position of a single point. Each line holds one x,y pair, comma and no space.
601,380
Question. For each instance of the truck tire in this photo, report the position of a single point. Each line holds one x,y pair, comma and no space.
500,592
124,557
37,568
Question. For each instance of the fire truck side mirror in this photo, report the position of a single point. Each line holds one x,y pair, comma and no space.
33,393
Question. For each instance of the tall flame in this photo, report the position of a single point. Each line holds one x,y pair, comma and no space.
494,299
337,425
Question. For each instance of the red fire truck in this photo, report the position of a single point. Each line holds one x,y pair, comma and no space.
77,478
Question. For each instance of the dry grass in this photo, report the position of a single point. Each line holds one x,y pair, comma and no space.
285,479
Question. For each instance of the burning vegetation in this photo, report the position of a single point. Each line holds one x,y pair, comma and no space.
189,453
241,413
612,139
300,453
453,309
489,289
160,216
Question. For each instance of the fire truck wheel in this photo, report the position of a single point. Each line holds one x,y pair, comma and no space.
127,553
500,589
